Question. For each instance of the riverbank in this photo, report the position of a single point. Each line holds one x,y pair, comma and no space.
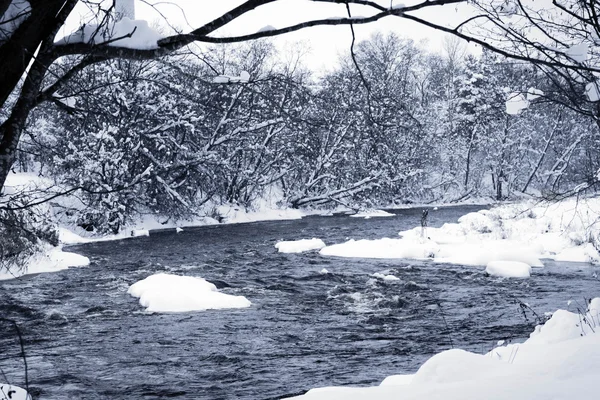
560,360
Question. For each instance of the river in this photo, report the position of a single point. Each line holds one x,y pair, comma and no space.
86,338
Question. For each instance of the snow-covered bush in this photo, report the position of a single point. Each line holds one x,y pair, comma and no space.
24,233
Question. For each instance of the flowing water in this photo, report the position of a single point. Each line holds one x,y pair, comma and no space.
86,338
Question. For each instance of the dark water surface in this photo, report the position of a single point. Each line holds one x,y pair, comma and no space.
86,338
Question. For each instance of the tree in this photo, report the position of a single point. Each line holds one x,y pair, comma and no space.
28,34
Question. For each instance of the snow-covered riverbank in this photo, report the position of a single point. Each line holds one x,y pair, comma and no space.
560,360
521,233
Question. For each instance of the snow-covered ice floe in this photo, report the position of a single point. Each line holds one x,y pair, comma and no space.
299,246
172,293
51,260
372,213
508,269
560,360
12,392
526,233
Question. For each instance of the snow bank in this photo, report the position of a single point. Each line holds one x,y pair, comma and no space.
133,34
526,233
508,269
442,250
12,392
52,260
299,246
372,213
560,360
233,215
172,293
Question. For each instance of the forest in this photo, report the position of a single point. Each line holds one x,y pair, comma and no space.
396,124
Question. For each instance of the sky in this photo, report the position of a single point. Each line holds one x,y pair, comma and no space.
324,44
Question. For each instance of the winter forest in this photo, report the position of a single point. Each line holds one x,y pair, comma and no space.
179,135
119,126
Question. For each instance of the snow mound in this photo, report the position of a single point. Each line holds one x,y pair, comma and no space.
386,277
372,213
12,392
52,260
133,34
397,380
560,360
508,269
172,293
442,249
299,246
66,236
526,233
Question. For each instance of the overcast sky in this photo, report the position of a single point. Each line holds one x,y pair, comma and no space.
325,42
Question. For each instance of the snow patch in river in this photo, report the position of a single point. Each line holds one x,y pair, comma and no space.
299,246
560,360
372,213
508,269
172,293
12,392
563,231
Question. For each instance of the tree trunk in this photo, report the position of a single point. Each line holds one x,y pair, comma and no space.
542,156
499,186
11,129
469,151
25,40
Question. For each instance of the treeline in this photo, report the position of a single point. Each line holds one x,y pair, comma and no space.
395,124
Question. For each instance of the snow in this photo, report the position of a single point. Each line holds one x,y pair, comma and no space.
386,277
508,269
143,37
299,246
172,293
525,233
143,225
266,28
533,93
396,380
140,232
578,52
53,259
509,8
592,91
516,103
244,77
560,360
12,392
444,249
372,213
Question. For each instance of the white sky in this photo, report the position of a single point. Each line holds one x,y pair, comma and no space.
325,43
